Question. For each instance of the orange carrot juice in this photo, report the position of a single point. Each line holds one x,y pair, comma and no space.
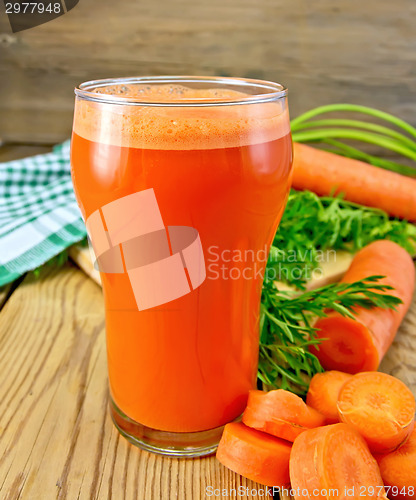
187,364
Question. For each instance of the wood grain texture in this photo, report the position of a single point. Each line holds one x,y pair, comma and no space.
400,360
56,437
324,51
82,257
4,294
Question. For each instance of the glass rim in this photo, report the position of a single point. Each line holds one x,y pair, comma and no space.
271,91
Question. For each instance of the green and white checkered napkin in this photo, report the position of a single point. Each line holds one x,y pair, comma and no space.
39,216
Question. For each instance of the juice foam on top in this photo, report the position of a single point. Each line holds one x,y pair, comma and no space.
174,128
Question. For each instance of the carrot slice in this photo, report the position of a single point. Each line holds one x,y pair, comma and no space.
380,407
398,469
255,455
280,413
359,344
323,173
323,393
333,462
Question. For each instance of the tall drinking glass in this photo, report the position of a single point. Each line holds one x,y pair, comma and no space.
182,182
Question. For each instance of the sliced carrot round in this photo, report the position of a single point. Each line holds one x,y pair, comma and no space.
348,345
333,462
255,455
323,393
280,413
380,407
398,469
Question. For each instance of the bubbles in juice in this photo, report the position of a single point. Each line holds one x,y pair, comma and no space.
193,127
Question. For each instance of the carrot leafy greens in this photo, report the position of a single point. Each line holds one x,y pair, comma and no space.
286,327
312,224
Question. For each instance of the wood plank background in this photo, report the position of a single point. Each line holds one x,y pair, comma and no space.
325,51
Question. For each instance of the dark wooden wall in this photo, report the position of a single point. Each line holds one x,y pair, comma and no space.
325,51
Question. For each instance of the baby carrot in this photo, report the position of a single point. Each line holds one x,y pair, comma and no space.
327,173
359,344
380,407
323,393
333,462
255,455
398,469
280,413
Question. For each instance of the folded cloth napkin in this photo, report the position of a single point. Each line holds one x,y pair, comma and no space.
39,216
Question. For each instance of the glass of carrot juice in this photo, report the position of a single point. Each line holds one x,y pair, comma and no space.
182,182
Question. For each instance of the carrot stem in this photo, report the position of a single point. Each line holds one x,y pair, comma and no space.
279,369
320,134
359,125
351,152
354,108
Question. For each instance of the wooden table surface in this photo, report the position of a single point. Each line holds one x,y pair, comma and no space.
56,436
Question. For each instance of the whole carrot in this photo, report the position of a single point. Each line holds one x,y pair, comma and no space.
327,173
359,344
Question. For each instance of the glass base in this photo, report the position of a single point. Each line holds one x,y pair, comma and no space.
173,444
